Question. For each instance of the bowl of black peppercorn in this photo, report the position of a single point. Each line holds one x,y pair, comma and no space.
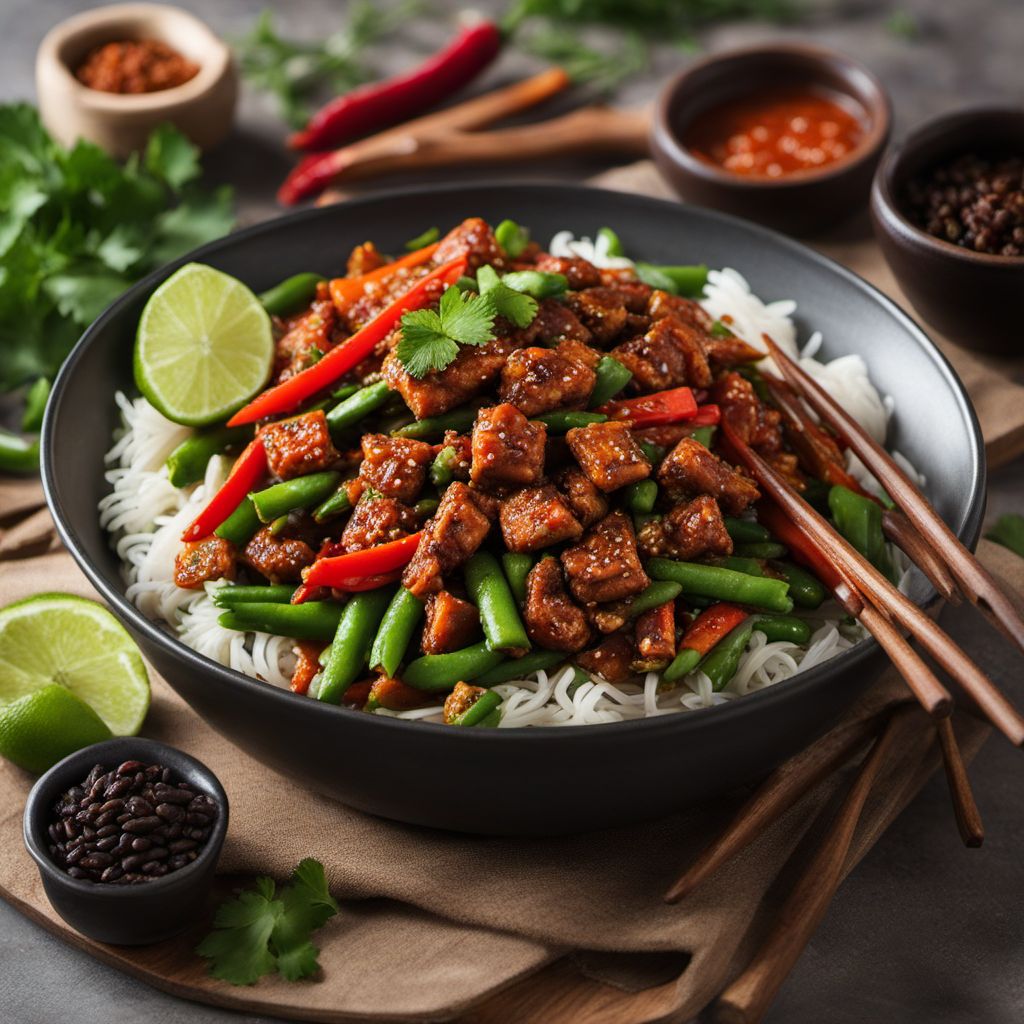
947,207
126,835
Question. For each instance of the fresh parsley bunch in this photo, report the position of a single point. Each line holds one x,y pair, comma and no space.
78,228
268,929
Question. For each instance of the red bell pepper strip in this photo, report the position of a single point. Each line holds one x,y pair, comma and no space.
662,407
345,290
249,469
376,105
801,547
707,416
710,626
349,571
290,393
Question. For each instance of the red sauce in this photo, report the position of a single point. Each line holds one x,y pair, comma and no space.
135,66
774,134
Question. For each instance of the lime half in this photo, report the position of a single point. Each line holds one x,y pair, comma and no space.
204,346
41,728
58,638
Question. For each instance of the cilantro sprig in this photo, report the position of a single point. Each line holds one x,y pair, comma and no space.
265,929
77,228
431,339
514,306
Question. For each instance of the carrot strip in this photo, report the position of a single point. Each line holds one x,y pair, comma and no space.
712,625
345,290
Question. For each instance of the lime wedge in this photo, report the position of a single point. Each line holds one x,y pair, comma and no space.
42,728
58,638
204,346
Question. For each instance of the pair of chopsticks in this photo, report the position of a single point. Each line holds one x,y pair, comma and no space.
453,137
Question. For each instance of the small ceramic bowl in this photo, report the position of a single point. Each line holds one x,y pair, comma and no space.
125,915
805,202
974,298
202,107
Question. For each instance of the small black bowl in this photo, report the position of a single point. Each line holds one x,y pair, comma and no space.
804,203
973,297
125,915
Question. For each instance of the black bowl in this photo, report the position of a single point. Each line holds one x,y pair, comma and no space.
521,781
125,915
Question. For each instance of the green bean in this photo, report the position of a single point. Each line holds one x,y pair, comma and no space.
358,406
720,330
17,454
538,283
641,496
816,493
724,584
229,596
337,503
489,591
761,549
512,237
276,527
425,507
492,720
442,469
705,435
353,638
241,524
724,658
681,665
641,519
459,420
520,668
579,677
565,420
314,620
654,596
654,453
35,405
783,627
436,673
684,280
400,620
805,588
517,566
428,237
288,495
480,710
612,377
613,242
291,295
751,566
746,531
340,394
859,520
187,463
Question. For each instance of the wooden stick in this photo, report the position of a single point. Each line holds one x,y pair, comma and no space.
898,528
976,582
968,817
747,999
865,578
588,131
783,788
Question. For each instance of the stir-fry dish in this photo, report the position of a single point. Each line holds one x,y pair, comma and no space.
486,486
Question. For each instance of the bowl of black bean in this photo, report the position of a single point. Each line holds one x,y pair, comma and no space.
126,835
948,213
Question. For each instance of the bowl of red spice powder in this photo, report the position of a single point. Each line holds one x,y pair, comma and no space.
112,74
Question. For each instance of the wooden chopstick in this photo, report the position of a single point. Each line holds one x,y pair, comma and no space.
968,817
878,591
974,580
898,528
747,999
783,788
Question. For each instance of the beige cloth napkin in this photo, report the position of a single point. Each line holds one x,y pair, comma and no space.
446,921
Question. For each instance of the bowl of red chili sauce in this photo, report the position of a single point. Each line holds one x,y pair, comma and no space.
788,135
112,74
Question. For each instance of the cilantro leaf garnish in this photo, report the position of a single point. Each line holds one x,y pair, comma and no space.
266,929
430,339
514,306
